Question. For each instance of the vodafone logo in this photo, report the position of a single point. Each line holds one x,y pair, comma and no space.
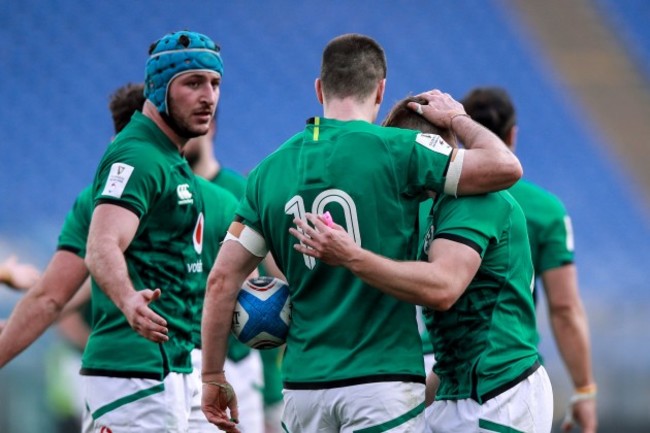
197,240
197,236
105,429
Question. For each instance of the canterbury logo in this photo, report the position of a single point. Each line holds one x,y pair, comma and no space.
184,194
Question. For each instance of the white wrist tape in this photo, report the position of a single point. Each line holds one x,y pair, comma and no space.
453,173
575,398
251,240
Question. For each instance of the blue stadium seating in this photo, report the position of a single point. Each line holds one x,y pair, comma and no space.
60,63
630,19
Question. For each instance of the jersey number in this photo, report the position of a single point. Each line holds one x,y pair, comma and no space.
296,208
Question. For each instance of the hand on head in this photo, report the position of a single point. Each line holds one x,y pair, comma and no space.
440,108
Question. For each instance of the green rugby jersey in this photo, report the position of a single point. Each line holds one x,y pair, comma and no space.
550,232
232,181
549,227
220,206
486,341
74,233
143,171
370,179
425,210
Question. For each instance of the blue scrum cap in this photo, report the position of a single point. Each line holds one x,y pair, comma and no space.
175,54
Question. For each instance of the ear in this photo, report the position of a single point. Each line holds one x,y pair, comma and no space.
381,89
511,137
319,90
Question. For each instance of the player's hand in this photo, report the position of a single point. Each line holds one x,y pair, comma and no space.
581,414
219,404
439,109
143,319
329,243
17,275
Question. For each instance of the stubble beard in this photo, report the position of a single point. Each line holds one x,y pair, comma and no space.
180,125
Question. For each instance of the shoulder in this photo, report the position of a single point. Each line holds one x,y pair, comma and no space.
140,156
387,134
530,195
278,160
232,174
86,195
211,190
132,152
231,180
83,202
501,199
490,206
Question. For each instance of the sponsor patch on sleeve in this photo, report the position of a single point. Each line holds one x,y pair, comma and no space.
434,142
117,179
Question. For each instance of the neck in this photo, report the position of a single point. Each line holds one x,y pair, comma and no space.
350,109
152,113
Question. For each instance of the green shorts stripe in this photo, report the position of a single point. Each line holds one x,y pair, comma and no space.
395,421
495,427
128,399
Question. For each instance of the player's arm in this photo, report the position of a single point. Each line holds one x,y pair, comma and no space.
112,229
437,284
271,268
79,299
241,252
41,306
570,328
432,384
486,164
74,329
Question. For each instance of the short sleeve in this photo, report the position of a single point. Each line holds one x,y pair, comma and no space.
556,240
248,209
428,162
127,179
464,219
74,233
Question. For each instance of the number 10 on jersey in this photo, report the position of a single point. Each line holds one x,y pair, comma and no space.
296,208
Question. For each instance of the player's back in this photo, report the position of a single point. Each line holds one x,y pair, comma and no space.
549,227
370,179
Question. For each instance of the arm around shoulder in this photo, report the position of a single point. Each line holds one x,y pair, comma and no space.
488,165
436,284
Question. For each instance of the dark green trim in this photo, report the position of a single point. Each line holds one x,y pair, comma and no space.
400,377
284,427
128,399
499,428
394,422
